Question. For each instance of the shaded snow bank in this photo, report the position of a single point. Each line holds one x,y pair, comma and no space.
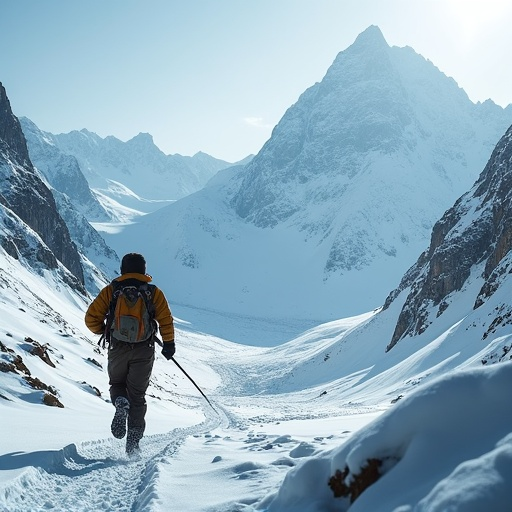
448,446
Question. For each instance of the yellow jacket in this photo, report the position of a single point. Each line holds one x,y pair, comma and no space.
96,312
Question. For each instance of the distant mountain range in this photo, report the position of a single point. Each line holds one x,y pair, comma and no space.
327,217
136,174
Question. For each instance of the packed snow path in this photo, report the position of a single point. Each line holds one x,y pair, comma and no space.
97,475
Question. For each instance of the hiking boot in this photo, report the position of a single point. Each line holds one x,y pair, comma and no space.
132,440
118,427
133,449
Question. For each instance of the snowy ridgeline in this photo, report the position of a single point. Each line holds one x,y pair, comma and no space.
423,427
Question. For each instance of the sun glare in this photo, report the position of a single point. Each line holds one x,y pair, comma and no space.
473,17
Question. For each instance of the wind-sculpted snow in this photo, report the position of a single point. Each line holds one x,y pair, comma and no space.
455,427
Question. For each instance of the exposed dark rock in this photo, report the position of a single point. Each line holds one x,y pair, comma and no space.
499,355
10,130
6,367
94,389
51,400
94,362
503,317
15,362
40,351
3,348
357,483
20,365
36,383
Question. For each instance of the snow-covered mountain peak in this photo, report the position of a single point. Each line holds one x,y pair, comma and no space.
142,140
84,134
373,102
30,128
343,196
368,58
372,38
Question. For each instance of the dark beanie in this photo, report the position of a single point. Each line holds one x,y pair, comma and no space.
133,263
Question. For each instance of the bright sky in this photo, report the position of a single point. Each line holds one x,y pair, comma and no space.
217,75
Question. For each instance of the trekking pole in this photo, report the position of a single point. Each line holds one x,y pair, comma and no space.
192,380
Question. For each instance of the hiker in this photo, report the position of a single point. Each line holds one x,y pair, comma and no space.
131,342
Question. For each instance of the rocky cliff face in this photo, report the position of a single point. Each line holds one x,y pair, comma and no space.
75,203
24,193
475,235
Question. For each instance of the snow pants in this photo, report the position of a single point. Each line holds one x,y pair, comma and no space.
129,371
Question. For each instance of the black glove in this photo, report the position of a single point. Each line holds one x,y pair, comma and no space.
169,349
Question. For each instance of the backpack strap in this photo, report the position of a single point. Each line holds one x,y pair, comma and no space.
105,338
147,292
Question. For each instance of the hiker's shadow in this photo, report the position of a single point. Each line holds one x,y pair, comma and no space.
67,461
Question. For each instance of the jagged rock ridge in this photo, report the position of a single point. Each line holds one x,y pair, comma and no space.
75,203
61,171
